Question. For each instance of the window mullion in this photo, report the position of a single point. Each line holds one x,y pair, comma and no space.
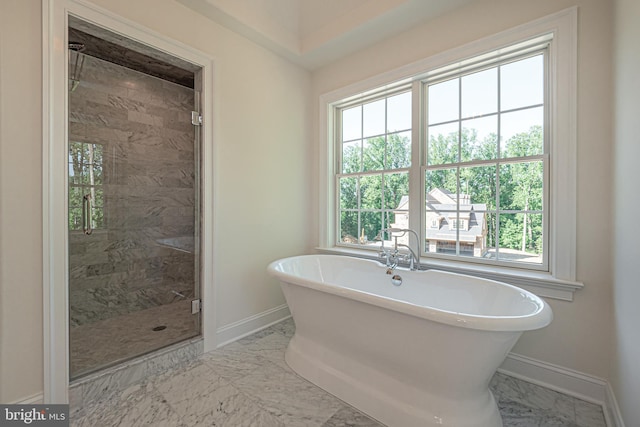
458,166
416,179
496,237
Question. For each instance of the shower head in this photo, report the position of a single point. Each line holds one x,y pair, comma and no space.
77,46
76,70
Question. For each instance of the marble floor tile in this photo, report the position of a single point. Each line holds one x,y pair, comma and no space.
286,327
589,414
539,406
191,391
350,417
137,406
200,397
98,345
247,383
231,362
295,401
271,347
515,414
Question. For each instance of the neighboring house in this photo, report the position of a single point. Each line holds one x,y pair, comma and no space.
443,224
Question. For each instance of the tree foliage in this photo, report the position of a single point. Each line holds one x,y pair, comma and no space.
85,178
375,196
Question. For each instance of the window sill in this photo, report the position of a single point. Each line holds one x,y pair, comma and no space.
541,284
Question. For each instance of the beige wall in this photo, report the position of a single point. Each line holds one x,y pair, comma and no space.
578,337
261,136
21,200
625,375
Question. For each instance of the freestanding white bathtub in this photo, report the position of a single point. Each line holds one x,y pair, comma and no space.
418,354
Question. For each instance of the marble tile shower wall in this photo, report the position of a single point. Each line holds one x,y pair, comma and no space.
143,125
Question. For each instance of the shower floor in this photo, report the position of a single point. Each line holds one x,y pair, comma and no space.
111,341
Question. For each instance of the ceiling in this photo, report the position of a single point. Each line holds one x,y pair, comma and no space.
313,33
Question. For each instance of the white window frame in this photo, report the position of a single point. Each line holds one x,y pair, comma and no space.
456,219
560,279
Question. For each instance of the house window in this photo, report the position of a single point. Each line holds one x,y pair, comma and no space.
86,181
486,150
484,161
492,139
374,161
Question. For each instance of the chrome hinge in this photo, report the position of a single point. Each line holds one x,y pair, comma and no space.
195,306
196,118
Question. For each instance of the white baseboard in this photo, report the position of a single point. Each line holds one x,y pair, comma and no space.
612,410
34,399
567,381
236,330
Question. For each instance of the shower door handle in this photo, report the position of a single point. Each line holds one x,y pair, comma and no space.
86,214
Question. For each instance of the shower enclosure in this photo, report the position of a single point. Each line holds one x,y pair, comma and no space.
133,199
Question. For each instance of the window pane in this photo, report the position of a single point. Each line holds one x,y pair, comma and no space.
97,164
480,93
478,187
373,153
399,150
396,190
442,186
85,163
445,240
75,208
443,101
480,139
75,196
349,227
521,238
399,112
97,217
371,192
399,219
521,133
521,186
374,118
490,219
443,144
348,193
371,223
98,200
433,224
522,83
352,123
351,157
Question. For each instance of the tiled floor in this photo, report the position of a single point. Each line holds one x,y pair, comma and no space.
247,383
100,344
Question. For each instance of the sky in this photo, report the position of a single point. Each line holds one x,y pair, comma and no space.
479,100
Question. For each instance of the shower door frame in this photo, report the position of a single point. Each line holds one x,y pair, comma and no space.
55,15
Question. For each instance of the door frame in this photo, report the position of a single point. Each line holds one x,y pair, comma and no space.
55,92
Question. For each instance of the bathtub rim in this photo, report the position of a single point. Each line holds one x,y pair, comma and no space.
530,321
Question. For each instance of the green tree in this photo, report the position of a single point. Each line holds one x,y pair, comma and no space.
85,178
521,189
379,193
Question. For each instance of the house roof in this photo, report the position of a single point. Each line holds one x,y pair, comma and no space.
476,228
442,203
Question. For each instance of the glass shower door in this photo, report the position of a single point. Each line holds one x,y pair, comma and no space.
133,215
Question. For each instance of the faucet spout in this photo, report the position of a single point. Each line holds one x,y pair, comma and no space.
414,258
